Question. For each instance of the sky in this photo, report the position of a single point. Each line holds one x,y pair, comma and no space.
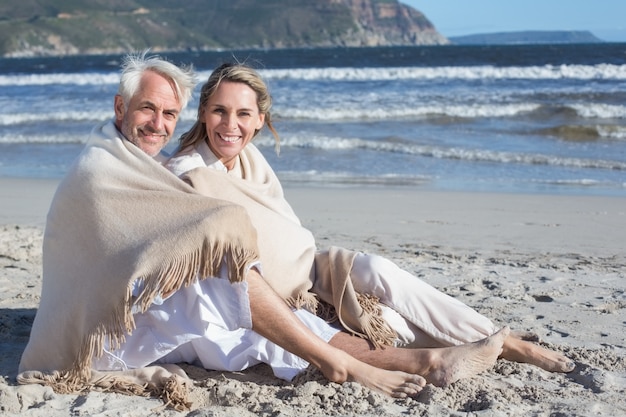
606,19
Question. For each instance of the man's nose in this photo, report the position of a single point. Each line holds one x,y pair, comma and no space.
157,120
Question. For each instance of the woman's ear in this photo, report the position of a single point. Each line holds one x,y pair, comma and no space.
261,121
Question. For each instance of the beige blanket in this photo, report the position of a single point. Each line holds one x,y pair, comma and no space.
289,258
119,216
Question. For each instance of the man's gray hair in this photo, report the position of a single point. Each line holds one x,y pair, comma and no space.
134,66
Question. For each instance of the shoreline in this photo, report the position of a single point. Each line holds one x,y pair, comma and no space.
552,265
467,220
401,209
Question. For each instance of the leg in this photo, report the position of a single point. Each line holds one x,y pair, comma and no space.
439,366
518,350
422,315
273,319
418,308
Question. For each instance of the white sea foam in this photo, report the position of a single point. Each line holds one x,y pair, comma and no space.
454,153
581,182
402,110
74,116
92,115
548,72
365,112
612,132
600,110
338,178
60,78
42,138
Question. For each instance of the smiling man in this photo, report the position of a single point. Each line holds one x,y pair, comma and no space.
147,110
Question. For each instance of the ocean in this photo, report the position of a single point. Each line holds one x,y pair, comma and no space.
511,119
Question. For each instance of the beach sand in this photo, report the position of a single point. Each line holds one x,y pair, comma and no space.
554,265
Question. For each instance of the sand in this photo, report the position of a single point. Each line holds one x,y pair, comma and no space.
554,265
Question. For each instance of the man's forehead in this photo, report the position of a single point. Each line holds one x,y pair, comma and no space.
156,87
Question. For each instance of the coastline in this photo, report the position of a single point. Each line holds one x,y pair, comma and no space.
478,221
451,219
549,264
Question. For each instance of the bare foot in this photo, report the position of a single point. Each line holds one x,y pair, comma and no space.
518,350
397,384
450,364
525,335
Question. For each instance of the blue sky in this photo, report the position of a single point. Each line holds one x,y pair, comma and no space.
604,18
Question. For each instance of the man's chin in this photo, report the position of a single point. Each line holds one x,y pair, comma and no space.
152,149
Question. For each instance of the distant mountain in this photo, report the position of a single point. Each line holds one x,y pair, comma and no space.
526,37
62,27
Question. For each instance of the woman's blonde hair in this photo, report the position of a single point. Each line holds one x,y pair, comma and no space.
231,72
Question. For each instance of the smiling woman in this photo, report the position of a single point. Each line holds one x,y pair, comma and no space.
232,119
226,123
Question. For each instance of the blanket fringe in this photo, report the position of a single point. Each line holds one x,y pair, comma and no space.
375,329
60,382
179,272
175,394
172,390
305,300
199,264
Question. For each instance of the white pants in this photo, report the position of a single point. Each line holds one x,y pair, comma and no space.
421,315
209,322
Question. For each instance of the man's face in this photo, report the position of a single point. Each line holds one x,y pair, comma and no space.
151,116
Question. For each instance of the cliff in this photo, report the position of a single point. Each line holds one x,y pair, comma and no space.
526,37
66,27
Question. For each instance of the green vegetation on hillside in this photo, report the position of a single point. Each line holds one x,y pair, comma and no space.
39,27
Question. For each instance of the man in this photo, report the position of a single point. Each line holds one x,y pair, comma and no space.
125,237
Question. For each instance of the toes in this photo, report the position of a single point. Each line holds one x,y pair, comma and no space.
407,390
418,381
568,366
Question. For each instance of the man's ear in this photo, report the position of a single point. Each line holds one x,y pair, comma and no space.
118,106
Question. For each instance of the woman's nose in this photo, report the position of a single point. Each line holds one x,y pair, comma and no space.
231,122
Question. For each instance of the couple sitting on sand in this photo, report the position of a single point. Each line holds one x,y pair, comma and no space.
150,261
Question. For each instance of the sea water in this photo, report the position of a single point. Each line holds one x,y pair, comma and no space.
522,118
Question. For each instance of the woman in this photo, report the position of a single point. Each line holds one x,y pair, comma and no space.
371,296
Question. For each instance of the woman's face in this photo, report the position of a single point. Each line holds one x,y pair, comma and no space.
231,117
